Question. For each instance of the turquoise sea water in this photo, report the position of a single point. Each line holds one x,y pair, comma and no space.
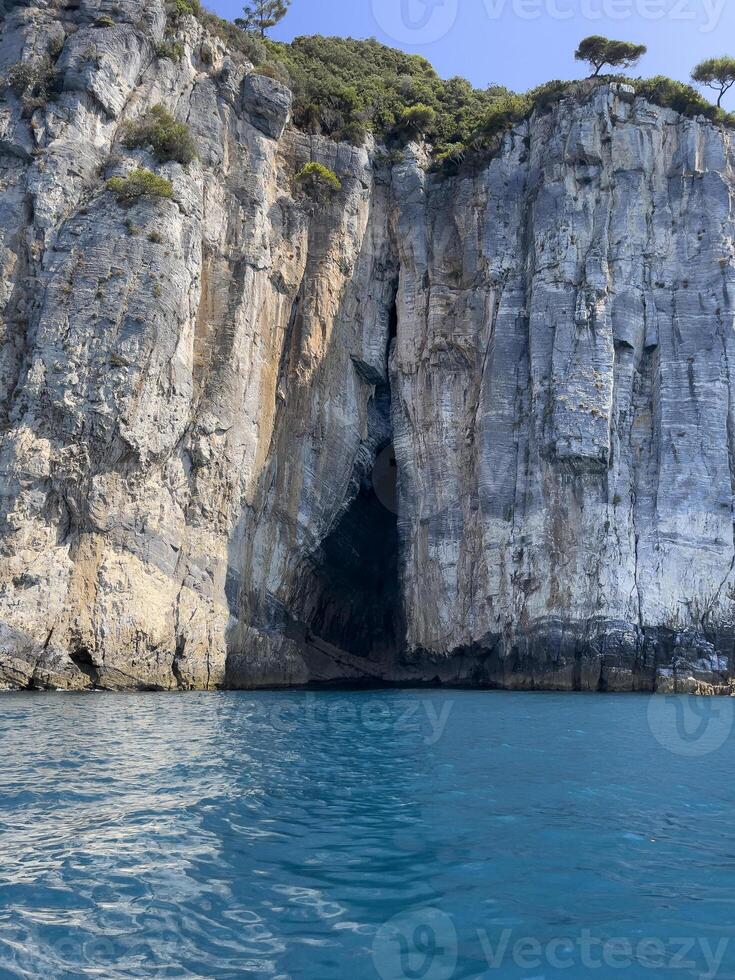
421,835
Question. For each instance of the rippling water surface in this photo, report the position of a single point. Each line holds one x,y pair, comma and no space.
338,835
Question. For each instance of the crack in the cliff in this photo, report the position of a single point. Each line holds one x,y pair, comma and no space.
644,378
353,600
731,463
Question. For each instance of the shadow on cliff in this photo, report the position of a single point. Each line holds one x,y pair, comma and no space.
318,579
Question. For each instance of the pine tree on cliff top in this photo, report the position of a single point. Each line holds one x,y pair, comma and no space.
716,73
600,51
261,15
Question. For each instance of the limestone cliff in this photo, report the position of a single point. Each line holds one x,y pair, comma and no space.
204,401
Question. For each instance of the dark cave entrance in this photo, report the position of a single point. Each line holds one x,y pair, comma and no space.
354,597
356,606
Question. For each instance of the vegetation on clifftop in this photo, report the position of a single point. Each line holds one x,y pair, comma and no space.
345,89
600,51
717,74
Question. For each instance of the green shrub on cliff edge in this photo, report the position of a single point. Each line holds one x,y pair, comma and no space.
183,8
504,113
683,98
275,71
315,178
171,140
141,183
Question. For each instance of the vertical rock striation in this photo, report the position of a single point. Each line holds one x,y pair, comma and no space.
194,392
564,416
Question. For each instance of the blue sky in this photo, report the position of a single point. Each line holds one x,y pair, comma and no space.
519,43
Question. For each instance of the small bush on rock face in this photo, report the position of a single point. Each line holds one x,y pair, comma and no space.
21,76
35,82
171,140
450,157
141,183
56,46
104,21
171,50
316,179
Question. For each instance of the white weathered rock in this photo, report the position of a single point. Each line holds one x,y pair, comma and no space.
268,103
564,400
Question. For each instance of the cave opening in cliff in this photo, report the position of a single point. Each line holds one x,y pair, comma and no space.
355,602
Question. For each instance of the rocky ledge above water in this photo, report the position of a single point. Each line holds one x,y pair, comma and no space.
471,430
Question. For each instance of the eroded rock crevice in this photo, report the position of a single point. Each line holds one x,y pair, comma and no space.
350,598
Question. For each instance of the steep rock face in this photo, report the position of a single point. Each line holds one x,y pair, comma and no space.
199,396
156,356
564,417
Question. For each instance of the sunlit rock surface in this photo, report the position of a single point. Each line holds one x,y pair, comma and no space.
205,402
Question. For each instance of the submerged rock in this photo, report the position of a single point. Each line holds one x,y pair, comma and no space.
470,430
